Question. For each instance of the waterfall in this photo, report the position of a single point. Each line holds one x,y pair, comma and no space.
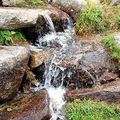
50,23
70,25
54,38
55,74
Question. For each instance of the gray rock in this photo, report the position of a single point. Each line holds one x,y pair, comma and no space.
9,2
13,63
115,2
72,4
14,18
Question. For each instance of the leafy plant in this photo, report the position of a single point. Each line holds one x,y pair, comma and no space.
111,44
90,110
91,20
8,36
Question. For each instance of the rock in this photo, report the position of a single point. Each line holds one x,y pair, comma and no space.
109,93
117,38
42,27
29,81
76,5
108,77
71,7
31,106
13,63
115,2
39,57
14,18
81,65
9,3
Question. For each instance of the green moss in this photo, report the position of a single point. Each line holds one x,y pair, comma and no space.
31,3
90,110
9,36
113,47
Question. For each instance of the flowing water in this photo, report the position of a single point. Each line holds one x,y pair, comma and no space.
55,74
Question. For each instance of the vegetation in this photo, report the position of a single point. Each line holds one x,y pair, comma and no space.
90,110
9,36
91,20
30,3
111,44
112,14
98,18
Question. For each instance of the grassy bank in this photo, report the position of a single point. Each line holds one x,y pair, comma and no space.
90,110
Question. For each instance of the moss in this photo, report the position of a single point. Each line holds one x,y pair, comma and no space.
91,110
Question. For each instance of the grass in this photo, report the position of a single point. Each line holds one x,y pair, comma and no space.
111,44
92,20
8,37
91,110
31,3
98,18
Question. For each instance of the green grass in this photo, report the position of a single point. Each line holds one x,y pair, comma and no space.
92,20
31,3
98,18
90,110
111,44
9,36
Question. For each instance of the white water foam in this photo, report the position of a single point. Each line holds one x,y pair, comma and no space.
53,72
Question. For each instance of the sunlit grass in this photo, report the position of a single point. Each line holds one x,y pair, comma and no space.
90,110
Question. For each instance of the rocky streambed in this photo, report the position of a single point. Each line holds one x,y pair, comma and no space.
37,79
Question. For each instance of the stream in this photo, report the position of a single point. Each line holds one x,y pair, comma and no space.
55,73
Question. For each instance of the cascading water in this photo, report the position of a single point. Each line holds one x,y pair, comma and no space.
55,74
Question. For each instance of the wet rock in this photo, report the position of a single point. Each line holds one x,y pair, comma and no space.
70,7
39,57
108,77
60,24
29,81
81,65
109,93
42,26
13,63
31,106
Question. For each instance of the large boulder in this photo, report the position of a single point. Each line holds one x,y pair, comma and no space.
109,93
82,64
73,4
70,6
14,18
13,63
31,106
